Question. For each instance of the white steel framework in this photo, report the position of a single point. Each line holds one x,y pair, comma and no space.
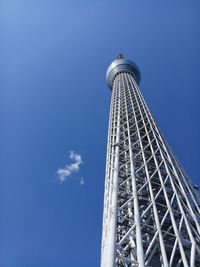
151,209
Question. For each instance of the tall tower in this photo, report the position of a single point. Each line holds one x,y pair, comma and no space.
151,208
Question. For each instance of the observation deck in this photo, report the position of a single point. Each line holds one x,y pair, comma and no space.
122,65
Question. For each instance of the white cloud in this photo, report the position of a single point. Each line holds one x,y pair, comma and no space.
82,181
62,174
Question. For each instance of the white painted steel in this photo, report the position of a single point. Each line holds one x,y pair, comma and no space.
151,210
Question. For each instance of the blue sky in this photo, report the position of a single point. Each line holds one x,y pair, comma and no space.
54,99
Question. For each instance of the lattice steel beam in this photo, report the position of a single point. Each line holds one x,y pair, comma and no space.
151,209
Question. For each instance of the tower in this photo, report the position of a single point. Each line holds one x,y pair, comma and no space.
151,208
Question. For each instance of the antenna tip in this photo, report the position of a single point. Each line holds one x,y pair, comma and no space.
120,56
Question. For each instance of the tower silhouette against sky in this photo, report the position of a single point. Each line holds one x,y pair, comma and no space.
151,208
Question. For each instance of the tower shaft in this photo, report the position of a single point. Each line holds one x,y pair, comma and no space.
151,210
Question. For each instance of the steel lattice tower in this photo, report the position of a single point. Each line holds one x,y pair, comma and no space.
151,208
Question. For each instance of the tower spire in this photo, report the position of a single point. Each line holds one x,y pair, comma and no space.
120,56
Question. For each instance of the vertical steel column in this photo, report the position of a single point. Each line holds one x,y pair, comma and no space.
112,170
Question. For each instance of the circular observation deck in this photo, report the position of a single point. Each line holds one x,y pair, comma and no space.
122,65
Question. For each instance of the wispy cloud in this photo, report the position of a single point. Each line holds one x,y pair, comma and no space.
62,174
82,181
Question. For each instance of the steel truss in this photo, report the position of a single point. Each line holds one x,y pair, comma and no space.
151,210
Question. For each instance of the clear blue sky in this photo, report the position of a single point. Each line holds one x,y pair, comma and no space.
54,99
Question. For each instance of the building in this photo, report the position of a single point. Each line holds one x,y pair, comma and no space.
151,208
